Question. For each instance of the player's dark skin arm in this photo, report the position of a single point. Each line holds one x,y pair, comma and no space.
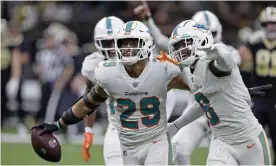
89,121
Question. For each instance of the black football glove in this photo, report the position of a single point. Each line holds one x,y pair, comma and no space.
47,128
257,90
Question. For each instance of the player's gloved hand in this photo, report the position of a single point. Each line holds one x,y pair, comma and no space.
47,128
208,53
172,129
142,11
257,91
213,51
88,139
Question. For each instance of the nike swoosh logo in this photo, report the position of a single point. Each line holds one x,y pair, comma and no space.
250,146
156,141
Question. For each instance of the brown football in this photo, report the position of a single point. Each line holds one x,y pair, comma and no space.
46,146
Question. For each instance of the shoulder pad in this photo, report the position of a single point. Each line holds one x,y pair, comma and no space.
106,66
89,64
95,55
104,70
91,61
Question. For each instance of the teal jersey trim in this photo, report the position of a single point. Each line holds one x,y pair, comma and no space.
265,150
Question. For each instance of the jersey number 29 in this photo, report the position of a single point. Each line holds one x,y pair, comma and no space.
148,106
209,111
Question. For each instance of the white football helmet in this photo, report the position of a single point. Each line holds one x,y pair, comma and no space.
212,21
104,35
186,38
267,19
130,54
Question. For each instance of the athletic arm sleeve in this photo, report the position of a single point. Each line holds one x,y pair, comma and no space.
171,71
88,66
170,103
160,40
192,113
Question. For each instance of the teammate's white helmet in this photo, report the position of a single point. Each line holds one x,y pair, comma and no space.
144,44
104,35
268,21
186,38
212,21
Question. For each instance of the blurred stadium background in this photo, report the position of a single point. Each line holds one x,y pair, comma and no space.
28,28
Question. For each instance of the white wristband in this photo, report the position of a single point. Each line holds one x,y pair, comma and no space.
88,130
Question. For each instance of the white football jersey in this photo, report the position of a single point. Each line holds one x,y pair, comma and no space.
88,66
226,99
139,102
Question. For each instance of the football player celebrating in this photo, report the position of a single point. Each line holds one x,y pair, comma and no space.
261,49
137,87
188,138
104,40
215,81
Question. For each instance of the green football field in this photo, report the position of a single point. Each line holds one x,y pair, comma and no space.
23,154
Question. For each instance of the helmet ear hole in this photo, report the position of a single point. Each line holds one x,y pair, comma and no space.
204,42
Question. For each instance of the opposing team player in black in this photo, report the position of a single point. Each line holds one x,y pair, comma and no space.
260,49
